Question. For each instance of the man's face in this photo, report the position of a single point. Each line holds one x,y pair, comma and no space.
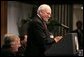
45,14
79,25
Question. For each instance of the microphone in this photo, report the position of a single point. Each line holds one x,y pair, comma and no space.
54,22
64,26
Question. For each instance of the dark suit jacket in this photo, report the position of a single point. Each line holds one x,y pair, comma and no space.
6,52
38,37
80,37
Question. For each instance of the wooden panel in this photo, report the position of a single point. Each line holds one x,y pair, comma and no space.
3,17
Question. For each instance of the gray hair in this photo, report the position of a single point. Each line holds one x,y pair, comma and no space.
10,38
43,7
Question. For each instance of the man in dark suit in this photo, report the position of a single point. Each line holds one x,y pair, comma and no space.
39,38
79,32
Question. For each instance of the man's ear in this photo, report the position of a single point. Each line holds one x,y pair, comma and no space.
40,12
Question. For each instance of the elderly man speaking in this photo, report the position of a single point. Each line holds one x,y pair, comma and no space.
39,38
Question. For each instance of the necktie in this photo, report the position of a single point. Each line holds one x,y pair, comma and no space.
45,26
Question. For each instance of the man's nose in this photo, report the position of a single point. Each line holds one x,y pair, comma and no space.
49,16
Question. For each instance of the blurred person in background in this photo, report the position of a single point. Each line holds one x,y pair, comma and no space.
79,32
11,45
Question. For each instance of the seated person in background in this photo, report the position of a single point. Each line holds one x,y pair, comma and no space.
79,32
11,45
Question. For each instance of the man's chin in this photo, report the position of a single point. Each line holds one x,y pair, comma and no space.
46,19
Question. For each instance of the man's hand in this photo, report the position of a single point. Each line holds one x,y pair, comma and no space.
58,38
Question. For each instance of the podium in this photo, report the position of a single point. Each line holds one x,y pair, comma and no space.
65,47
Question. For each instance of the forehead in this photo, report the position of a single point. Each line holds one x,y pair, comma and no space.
48,10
